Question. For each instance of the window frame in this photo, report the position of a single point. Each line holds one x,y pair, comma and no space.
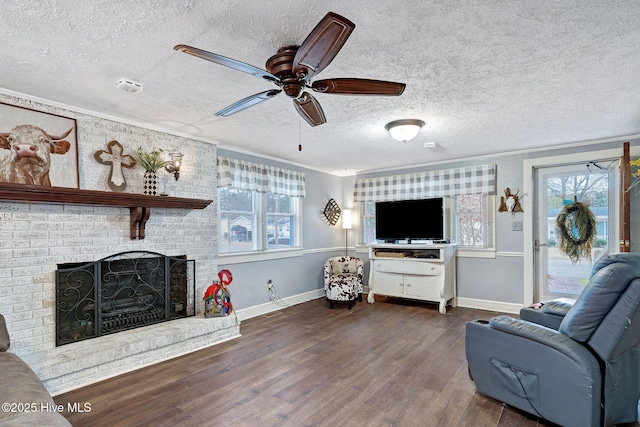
489,225
292,215
252,214
259,243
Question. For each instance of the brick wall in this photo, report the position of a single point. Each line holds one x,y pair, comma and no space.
35,237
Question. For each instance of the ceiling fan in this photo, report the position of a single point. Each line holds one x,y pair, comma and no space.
293,67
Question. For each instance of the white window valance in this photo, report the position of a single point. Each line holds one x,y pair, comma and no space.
262,178
424,185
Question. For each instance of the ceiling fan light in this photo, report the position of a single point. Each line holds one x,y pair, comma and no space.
404,130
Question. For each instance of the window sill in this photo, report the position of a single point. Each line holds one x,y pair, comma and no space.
240,258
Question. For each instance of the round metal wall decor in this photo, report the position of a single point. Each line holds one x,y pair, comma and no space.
332,212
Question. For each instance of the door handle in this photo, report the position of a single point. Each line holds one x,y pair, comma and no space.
538,245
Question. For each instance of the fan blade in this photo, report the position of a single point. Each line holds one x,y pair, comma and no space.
322,45
358,87
227,62
310,110
248,102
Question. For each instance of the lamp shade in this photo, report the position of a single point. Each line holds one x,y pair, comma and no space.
404,130
346,219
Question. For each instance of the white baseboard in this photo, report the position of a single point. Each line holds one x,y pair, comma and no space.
259,310
478,304
481,304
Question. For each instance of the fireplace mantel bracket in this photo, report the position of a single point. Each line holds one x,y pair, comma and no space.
139,204
139,217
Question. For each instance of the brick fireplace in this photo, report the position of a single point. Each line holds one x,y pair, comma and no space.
37,237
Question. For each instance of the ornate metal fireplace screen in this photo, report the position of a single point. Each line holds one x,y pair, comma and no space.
124,291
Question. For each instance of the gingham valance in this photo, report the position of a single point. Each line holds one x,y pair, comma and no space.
423,185
262,178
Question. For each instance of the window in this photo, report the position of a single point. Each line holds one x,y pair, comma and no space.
259,206
449,183
368,222
280,221
474,220
238,220
242,217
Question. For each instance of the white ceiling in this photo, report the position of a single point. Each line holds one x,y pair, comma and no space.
487,76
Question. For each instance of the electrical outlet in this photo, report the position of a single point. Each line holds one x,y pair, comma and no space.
269,285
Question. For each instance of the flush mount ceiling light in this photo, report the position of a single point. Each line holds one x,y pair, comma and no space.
404,130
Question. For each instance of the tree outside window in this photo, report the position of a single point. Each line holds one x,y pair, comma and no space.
471,215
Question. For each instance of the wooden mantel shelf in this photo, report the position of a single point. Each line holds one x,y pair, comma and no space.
139,204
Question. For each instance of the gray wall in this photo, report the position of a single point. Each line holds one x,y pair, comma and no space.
502,279
499,279
296,275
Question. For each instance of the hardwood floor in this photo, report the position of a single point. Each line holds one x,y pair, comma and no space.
393,363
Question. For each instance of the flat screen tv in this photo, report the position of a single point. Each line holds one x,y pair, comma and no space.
421,219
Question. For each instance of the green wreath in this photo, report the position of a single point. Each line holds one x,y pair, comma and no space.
576,230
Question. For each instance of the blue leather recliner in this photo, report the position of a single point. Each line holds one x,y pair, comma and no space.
573,365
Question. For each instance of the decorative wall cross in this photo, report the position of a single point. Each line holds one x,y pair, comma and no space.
114,157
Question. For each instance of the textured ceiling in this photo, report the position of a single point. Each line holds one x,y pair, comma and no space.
486,76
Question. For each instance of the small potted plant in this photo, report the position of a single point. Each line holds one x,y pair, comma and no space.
151,161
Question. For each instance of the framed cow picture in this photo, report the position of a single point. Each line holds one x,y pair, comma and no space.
38,148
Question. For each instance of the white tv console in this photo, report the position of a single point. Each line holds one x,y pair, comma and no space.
419,271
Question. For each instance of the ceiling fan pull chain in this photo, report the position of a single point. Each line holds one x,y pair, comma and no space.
299,133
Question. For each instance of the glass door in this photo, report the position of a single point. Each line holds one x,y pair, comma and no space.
596,184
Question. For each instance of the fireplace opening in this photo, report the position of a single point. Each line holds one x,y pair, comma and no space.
120,292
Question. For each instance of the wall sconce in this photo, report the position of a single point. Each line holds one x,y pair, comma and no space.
404,130
176,162
346,226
